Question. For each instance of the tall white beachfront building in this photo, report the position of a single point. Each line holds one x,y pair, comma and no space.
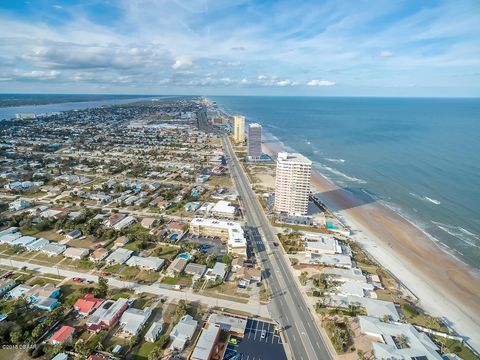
292,183
254,141
239,128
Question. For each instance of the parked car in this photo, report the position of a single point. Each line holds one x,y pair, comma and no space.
77,279
263,334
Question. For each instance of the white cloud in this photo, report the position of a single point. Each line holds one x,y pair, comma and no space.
284,83
182,62
386,53
320,83
38,74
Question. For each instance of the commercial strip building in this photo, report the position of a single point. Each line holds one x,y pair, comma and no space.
239,128
230,231
292,183
206,344
254,141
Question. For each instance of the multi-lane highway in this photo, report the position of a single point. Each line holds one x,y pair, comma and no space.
287,305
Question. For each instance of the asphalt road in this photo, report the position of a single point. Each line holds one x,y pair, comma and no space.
260,310
287,305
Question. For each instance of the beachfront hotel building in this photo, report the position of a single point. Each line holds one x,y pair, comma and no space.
239,128
292,183
254,141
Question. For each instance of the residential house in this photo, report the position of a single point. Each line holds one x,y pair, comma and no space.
6,285
86,305
132,320
114,219
237,263
60,356
119,256
183,332
19,204
146,263
154,332
44,297
249,275
107,314
177,266
54,249
99,254
74,234
76,253
121,241
196,270
37,245
219,271
148,223
17,291
124,223
62,336
23,241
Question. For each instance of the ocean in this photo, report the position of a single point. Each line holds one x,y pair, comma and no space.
418,156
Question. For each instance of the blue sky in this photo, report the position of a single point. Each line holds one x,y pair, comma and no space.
324,48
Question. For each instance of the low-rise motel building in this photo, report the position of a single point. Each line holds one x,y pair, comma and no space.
229,231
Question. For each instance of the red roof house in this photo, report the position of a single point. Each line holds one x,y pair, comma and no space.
63,335
86,305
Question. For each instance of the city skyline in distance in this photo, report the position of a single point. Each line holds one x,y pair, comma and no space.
241,48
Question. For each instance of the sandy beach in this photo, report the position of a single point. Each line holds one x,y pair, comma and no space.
445,286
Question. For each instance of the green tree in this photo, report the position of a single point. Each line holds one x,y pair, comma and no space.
102,290
181,309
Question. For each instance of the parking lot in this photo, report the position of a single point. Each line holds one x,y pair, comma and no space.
254,346
207,245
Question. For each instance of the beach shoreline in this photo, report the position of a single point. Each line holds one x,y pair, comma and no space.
445,286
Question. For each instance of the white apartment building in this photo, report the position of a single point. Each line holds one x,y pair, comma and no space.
292,184
254,141
239,128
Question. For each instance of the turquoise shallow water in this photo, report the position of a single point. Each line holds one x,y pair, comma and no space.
420,157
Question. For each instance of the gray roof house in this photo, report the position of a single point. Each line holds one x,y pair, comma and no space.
154,332
146,263
132,320
183,332
119,256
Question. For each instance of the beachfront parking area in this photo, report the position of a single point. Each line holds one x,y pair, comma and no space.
254,346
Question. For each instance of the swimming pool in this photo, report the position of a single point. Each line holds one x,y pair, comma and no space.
185,256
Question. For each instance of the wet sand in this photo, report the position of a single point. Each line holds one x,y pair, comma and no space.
445,286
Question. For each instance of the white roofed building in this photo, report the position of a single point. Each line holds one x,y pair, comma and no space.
230,231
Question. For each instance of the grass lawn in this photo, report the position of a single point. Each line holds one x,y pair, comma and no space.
114,269
222,181
120,293
51,260
50,235
129,273
143,350
34,195
183,280
454,346
226,288
147,276
166,252
41,281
